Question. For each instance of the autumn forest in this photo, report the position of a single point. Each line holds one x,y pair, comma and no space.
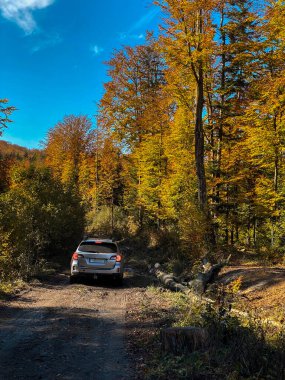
187,150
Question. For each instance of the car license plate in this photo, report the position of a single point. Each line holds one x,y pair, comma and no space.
98,261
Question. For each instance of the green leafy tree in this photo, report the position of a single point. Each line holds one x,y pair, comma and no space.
39,218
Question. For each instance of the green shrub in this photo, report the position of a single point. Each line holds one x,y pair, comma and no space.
40,220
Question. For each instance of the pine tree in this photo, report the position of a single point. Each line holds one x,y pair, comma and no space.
237,68
5,112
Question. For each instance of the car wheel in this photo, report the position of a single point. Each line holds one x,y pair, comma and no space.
118,279
73,279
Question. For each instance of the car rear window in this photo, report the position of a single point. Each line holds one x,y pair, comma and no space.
97,247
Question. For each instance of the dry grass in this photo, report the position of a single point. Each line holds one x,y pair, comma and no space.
238,350
262,289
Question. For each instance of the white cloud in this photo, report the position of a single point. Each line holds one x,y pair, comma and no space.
20,11
96,50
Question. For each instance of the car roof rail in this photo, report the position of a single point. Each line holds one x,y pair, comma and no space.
90,237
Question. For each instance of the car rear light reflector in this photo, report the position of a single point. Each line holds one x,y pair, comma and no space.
118,258
76,256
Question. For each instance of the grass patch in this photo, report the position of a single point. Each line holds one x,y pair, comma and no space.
237,349
10,288
12,283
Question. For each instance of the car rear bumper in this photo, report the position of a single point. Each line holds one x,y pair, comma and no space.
78,271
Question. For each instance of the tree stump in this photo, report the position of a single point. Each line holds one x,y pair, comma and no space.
179,340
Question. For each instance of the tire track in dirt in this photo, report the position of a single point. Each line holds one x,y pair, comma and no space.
62,331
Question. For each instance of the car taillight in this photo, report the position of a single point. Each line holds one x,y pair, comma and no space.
118,258
76,256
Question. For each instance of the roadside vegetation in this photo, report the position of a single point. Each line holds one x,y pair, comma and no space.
185,161
234,348
40,221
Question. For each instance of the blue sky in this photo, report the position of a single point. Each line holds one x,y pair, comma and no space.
52,57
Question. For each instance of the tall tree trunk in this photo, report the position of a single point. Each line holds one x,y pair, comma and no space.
222,107
275,181
199,139
199,143
199,132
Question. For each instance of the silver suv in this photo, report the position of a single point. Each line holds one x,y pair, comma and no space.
95,258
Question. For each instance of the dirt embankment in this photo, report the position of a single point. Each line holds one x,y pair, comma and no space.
262,290
63,331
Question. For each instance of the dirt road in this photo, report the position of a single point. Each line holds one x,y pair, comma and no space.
62,331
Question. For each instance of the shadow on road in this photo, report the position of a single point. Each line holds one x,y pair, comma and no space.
81,335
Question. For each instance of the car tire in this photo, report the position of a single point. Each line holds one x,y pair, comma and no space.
118,280
73,279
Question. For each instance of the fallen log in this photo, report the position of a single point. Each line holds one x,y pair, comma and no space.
168,280
198,285
179,340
